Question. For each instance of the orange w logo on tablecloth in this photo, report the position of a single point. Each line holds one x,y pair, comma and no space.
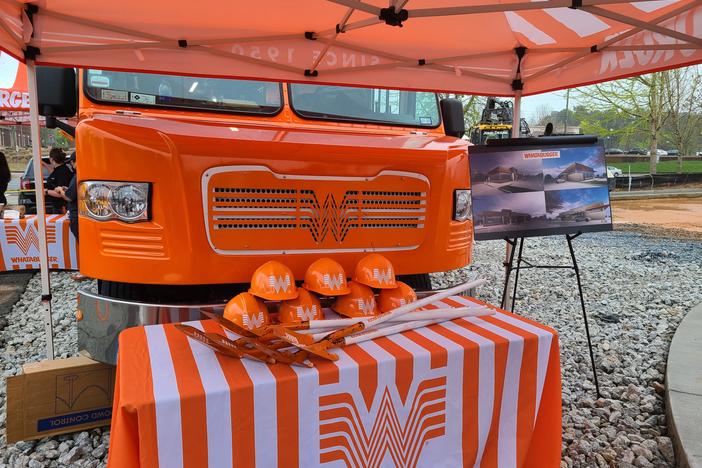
25,238
344,436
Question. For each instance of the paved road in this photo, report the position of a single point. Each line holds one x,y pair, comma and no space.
12,285
13,185
661,193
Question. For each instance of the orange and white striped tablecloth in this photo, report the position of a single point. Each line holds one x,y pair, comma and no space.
19,243
470,392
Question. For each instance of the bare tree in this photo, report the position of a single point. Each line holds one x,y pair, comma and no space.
542,115
643,98
472,106
683,94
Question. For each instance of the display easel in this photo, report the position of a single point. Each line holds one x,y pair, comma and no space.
509,265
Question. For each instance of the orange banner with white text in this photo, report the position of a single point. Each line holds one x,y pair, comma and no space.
19,244
13,84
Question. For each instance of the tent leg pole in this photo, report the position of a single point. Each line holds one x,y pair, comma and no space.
517,118
41,210
508,252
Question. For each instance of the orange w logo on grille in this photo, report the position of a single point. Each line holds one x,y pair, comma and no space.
25,238
344,436
330,216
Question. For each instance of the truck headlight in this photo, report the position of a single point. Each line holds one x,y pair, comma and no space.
461,205
124,201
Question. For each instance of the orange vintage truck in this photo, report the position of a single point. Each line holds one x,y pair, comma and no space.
187,184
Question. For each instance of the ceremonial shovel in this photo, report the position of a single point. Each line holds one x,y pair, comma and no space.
252,338
322,327
335,339
227,350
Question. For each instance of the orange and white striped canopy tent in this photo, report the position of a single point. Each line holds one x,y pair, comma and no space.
469,392
464,46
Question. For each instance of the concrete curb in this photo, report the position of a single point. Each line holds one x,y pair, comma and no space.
684,390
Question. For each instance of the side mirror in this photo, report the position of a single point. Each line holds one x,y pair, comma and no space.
53,122
57,91
452,114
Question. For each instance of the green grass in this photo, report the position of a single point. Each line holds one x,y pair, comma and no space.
17,166
661,168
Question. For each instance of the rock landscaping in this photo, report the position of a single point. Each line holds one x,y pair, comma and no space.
637,290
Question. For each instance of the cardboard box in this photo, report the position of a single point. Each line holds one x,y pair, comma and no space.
59,396
21,209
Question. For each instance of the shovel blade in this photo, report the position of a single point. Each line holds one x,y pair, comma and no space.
305,343
289,336
320,350
339,335
201,337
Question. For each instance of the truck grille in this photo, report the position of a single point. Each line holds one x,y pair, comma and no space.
244,204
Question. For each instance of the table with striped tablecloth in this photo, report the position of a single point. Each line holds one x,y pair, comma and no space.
470,392
19,243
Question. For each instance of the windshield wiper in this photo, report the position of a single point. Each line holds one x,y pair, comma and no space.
325,115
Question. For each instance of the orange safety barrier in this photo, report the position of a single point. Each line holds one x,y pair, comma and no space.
19,244
470,392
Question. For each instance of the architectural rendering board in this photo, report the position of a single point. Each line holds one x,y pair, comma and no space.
539,190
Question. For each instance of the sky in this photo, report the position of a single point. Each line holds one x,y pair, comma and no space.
527,202
485,162
576,198
556,101
590,156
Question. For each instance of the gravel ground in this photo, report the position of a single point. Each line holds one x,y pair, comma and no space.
21,341
637,289
643,283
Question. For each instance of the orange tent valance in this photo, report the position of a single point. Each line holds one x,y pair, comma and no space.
466,46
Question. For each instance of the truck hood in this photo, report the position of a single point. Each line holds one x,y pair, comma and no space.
289,133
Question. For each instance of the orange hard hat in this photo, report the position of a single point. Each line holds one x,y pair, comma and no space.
390,299
375,271
247,311
359,302
303,309
326,277
273,281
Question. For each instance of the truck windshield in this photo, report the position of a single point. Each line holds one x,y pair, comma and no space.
384,106
151,90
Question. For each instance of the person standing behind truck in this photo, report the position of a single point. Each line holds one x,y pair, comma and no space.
5,177
59,177
70,194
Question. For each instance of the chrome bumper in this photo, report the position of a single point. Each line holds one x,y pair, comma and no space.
101,319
